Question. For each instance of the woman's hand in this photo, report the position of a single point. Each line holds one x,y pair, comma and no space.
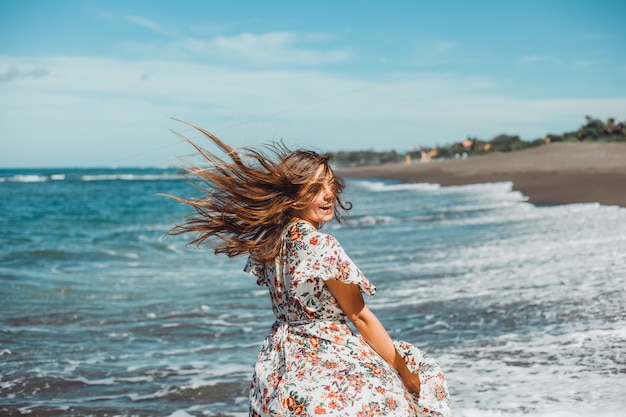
411,381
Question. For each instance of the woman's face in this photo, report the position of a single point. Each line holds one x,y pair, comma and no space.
321,208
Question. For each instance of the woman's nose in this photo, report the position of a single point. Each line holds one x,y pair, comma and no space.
327,192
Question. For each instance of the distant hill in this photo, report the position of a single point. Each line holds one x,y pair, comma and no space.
593,130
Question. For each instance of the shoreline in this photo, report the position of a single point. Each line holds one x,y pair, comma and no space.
552,174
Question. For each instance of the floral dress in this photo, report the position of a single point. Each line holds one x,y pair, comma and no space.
312,363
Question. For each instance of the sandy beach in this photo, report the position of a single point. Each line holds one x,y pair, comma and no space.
557,173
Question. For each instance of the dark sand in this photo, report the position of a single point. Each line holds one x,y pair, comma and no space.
558,173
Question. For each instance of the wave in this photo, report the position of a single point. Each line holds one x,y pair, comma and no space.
555,411
30,178
488,188
131,177
542,368
366,221
87,176
381,186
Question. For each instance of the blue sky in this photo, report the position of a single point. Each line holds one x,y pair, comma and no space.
97,83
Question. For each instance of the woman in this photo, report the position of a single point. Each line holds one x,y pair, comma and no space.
270,203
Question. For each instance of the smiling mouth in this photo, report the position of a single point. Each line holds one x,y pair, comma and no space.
326,208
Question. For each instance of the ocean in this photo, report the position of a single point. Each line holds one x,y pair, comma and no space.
102,315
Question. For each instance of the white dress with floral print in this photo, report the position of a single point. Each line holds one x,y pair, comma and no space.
312,363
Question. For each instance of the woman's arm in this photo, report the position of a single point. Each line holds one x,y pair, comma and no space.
351,302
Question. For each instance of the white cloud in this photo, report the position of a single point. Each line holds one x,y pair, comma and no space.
102,111
14,72
143,22
587,63
270,49
150,25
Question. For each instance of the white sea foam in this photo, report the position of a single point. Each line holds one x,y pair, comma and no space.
578,410
367,221
27,178
180,413
130,177
485,188
119,254
380,186
29,409
541,372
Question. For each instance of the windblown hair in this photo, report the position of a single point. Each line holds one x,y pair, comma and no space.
248,196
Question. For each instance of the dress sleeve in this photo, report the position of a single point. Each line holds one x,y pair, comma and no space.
332,262
257,269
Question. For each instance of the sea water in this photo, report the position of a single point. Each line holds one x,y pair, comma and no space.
101,315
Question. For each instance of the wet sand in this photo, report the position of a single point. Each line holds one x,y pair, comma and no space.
557,173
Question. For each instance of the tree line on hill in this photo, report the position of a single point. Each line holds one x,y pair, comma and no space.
593,130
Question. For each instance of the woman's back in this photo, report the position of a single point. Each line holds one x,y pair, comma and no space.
312,362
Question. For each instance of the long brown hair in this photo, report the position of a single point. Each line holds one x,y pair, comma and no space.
249,195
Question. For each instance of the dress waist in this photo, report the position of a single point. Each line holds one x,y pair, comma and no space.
295,323
283,322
